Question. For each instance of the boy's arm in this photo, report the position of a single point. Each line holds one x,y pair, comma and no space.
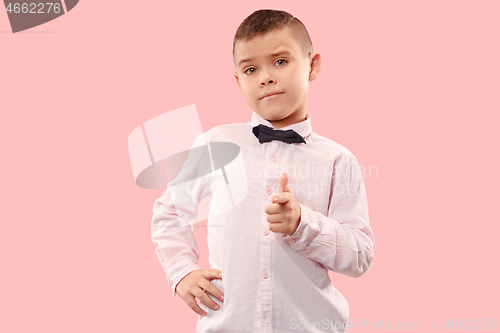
342,241
171,225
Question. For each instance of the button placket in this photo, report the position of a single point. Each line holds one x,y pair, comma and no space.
270,178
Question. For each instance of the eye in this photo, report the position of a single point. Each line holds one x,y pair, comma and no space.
281,60
246,70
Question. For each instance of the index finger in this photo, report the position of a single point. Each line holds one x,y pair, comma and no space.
211,288
211,274
191,301
280,198
273,208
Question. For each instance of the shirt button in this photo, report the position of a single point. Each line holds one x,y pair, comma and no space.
269,190
265,275
291,240
266,232
273,159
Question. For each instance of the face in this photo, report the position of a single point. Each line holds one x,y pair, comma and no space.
275,63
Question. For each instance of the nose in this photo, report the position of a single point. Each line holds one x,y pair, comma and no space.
267,79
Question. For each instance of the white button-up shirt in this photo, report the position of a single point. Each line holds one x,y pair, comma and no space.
271,282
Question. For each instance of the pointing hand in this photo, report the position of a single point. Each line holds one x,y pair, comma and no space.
284,212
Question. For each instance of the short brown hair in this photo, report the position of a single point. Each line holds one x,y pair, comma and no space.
265,20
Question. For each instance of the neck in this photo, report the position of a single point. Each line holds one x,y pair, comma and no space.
291,119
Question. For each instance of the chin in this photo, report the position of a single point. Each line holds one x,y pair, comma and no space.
275,116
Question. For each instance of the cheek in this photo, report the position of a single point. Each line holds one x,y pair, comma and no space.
304,82
305,77
246,87
300,81
300,85
248,94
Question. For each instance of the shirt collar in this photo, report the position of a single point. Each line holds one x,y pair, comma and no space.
304,128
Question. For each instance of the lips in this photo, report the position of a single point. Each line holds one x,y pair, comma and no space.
271,94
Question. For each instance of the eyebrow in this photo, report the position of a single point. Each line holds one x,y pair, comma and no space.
275,54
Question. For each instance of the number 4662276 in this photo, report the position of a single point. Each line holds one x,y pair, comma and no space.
30,8
462,324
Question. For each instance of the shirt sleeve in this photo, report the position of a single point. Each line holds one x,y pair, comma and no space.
343,241
174,213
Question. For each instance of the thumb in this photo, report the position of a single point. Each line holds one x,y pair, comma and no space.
283,183
211,274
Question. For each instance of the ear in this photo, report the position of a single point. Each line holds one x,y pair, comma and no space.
315,65
237,79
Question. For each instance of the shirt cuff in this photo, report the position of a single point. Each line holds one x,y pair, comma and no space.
179,270
306,231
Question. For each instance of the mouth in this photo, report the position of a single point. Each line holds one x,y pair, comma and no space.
272,96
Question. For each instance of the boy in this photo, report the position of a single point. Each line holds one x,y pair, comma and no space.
306,211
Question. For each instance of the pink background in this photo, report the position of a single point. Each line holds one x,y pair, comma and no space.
411,88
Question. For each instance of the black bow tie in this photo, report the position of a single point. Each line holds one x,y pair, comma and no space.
265,134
